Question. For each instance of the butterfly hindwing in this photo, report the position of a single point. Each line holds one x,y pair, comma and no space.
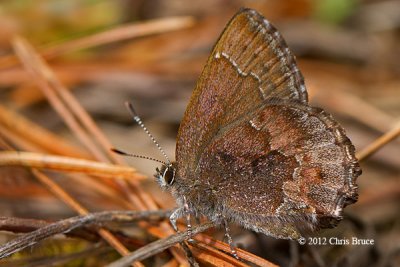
288,166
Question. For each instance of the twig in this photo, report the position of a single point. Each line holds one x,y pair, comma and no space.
158,246
20,224
23,225
378,143
69,224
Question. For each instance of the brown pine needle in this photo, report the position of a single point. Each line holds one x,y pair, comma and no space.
207,244
67,164
119,33
378,143
42,138
11,140
210,256
47,81
217,259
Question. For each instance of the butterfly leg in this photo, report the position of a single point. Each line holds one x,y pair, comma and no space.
230,241
176,214
188,219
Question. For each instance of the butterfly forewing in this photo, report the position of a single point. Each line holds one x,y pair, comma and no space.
249,64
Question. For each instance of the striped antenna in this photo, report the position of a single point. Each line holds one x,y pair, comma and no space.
135,156
141,124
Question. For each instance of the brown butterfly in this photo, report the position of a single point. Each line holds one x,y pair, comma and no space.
250,150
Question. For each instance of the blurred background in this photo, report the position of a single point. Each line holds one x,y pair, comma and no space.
347,50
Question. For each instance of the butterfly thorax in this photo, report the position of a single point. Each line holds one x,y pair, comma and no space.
199,197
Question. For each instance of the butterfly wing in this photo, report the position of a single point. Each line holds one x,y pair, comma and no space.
249,64
249,147
286,169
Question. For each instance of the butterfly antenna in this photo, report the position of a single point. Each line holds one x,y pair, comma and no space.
141,124
123,153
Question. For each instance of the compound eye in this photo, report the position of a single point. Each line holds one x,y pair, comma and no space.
169,175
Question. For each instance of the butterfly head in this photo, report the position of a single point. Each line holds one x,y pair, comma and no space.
166,175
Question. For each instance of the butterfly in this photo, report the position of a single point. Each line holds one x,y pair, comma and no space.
251,150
